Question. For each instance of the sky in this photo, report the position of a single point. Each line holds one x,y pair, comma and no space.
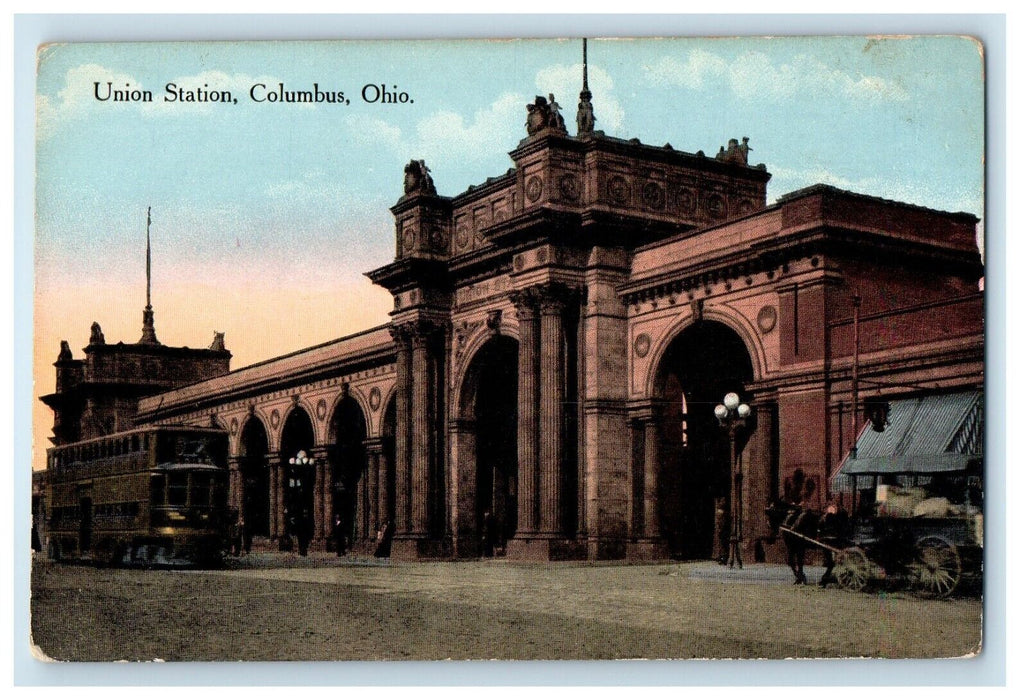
265,216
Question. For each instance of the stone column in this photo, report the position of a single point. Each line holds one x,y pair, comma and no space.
277,516
383,489
420,438
235,484
650,484
758,475
550,413
401,335
321,497
375,485
527,413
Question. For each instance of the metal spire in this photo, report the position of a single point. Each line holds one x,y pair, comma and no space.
149,334
586,118
584,65
148,257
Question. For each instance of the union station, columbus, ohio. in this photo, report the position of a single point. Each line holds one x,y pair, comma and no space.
560,337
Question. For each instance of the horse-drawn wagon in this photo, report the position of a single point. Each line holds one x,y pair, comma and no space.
916,489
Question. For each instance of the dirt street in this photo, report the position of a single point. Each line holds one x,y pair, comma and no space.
282,607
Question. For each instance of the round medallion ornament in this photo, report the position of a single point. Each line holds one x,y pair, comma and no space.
569,188
766,319
375,399
463,236
321,409
716,206
518,262
652,195
275,419
642,344
439,239
234,426
686,200
618,189
533,190
408,240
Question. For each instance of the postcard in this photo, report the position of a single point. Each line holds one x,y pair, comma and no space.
523,349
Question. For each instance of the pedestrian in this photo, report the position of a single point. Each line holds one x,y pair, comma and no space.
488,535
245,534
303,532
832,531
233,533
339,535
384,548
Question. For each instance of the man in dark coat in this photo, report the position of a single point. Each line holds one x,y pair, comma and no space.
384,548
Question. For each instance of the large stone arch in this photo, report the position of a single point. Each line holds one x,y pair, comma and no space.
348,428
297,480
483,443
720,313
255,474
470,351
694,370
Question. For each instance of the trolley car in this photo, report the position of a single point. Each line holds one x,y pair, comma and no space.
149,496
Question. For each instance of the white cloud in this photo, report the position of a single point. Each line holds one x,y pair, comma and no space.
77,97
753,75
691,73
789,179
445,133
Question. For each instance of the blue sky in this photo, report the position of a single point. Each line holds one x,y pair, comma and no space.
265,217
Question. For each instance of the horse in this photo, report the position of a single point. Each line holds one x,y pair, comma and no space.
797,519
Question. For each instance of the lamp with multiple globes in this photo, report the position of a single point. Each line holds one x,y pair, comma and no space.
733,415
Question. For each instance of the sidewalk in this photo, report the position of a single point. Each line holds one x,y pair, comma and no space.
767,574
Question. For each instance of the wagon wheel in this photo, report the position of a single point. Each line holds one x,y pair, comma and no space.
852,569
936,569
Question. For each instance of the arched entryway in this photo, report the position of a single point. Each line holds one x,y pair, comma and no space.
487,449
703,363
256,480
298,475
348,462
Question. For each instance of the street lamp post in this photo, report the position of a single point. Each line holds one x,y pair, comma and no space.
298,467
733,416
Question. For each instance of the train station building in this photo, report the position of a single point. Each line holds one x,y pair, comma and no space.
560,337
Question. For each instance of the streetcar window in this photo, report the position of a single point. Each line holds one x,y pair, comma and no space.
201,490
178,489
157,489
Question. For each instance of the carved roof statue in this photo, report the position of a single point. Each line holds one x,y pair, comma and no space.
416,179
219,341
735,153
96,335
544,115
65,353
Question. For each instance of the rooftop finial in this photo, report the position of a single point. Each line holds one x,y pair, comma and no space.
584,65
149,334
586,118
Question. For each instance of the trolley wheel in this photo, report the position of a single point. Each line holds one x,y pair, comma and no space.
852,569
937,567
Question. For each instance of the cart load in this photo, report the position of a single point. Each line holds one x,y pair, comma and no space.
916,486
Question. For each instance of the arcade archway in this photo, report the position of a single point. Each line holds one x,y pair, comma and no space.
703,363
488,446
348,460
256,479
298,475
